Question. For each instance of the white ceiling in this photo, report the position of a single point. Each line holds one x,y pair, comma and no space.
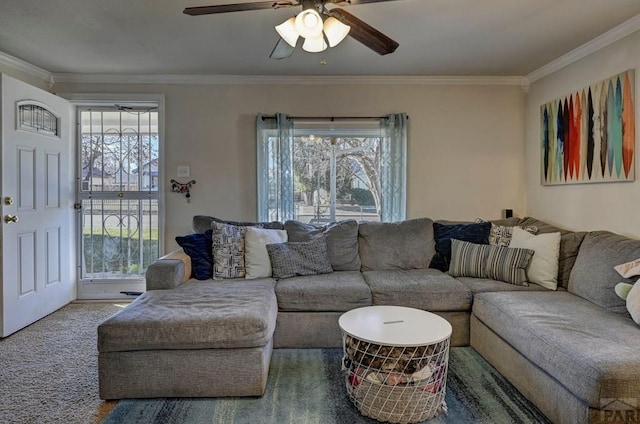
437,37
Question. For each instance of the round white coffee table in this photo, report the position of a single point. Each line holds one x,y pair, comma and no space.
396,361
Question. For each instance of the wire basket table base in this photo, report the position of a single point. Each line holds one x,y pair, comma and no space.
396,384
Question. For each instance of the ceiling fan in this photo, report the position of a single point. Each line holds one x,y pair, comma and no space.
319,26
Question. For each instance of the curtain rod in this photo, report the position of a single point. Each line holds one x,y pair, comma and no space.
329,118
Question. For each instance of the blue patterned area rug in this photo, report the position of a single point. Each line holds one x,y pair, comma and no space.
307,386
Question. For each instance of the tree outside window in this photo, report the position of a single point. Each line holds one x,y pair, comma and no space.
336,177
321,171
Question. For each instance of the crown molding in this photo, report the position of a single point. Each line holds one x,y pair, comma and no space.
626,28
617,33
21,65
286,80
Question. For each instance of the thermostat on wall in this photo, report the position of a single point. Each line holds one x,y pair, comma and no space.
183,172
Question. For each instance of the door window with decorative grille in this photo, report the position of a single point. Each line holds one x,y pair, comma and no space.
118,179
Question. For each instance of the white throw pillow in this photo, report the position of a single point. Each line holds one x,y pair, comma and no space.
543,267
256,257
633,303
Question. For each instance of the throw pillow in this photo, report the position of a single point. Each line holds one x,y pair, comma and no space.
486,261
202,223
341,239
630,292
198,247
629,269
257,263
570,243
633,303
228,248
299,258
475,233
468,259
500,235
508,264
543,267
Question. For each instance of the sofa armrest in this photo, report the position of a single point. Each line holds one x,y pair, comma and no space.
169,271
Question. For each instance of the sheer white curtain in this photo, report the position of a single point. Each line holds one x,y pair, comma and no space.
275,167
275,142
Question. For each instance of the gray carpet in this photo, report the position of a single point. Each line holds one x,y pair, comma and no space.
48,371
307,386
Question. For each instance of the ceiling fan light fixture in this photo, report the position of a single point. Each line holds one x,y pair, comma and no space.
314,45
287,30
309,24
335,31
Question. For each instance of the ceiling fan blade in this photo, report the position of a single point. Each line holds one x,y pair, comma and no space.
364,33
281,50
356,2
237,7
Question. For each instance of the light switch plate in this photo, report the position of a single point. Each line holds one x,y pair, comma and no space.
184,172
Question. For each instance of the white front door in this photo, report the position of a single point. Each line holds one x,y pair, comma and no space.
37,204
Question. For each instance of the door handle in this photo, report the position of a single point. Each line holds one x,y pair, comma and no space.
9,219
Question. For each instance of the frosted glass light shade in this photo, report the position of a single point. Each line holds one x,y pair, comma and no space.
287,31
309,23
335,31
314,45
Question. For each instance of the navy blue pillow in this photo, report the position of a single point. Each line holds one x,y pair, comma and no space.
198,247
473,233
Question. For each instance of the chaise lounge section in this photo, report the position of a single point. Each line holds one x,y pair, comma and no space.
193,341
572,352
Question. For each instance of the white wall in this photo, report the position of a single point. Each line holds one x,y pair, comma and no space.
608,206
466,145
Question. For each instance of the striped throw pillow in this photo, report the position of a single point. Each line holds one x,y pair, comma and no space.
486,261
468,259
508,264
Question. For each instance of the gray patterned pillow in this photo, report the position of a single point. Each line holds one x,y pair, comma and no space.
500,235
342,241
299,258
486,261
228,251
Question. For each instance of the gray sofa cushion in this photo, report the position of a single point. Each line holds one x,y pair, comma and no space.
342,241
593,276
569,246
196,315
202,223
590,351
340,291
396,245
483,285
427,289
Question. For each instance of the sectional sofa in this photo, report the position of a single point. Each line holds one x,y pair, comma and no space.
573,352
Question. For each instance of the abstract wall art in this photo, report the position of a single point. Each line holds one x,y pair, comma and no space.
589,135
